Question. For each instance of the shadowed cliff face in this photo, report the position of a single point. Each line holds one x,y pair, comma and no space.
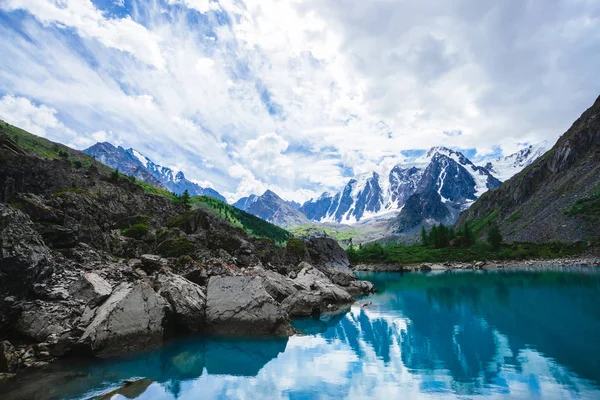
556,197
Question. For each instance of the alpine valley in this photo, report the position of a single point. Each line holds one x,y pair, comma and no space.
432,188
426,190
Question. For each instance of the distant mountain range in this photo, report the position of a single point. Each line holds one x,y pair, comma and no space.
131,162
431,188
435,187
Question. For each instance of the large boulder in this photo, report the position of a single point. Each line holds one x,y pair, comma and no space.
91,288
131,319
240,305
358,288
24,258
303,303
327,255
315,280
277,285
187,301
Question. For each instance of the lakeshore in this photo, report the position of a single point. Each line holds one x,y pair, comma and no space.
586,261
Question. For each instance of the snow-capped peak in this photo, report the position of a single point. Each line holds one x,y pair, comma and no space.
505,167
143,159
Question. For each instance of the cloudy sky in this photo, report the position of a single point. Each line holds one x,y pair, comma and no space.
297,95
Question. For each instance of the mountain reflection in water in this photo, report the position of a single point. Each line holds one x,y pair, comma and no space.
516,334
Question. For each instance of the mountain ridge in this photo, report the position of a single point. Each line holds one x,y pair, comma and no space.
272,208
133,163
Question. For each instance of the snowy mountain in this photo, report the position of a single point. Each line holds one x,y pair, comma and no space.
131,162
451,176
273,209
505,167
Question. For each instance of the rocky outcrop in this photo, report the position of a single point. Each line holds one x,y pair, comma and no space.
131,319
24,258
91,288
330,259
187,301
239,305
278,286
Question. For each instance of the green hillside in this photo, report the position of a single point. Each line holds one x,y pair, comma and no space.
253,225
45,148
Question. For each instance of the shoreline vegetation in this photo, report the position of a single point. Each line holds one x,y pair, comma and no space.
581,261
444,248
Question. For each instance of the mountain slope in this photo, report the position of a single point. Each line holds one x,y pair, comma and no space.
272,208
450,184
133,163
557,197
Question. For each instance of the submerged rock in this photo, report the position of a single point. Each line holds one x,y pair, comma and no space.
130,319
240,305
9,358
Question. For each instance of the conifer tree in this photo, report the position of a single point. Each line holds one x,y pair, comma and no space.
185,199
433,235
424,239
494,237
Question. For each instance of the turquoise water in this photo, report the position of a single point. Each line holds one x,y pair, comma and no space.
462,335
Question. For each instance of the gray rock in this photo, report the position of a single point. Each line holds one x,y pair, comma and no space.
187,300
327,256
9,358
303,303
315,280
151,262
358,288
425,267
277,285
240,305
130,319
91,288
24,258
40,320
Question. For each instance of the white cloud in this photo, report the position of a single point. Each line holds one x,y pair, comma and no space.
300,93
202,6
99,136
119,33
23,113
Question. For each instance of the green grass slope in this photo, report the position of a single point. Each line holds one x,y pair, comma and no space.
255,226
44,148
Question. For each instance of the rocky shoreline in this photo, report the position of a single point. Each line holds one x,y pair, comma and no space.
91,264
585,261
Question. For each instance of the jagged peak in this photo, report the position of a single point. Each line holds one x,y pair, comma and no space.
439,149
